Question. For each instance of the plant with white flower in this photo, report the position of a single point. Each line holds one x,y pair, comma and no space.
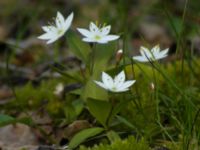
118,84
151,55
97,34
54,32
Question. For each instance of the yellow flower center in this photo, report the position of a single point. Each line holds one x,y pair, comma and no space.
60,32
97,37
114,88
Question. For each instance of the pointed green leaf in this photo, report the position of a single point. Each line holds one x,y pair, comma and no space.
78,47
70,113
117,108
113,136
5,120
100,110
103,53
126,122
91,90
83,135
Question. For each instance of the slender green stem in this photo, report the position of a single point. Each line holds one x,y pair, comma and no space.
93,59
56,52
179,40
192,128
155,93
136,87
112,100
82,73
124,22
8,73
165,131
159,69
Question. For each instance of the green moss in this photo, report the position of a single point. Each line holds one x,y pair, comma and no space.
128,144
30,98
175,108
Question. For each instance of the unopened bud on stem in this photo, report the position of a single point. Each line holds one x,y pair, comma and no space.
59,89
119,55
152,86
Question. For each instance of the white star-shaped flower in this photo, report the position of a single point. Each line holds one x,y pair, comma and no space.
96,34
118,84
54,32
151,55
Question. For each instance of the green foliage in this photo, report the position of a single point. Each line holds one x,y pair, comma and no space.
6,120
126,122
78,47
34,97
83,135
167,114
177,104
30,97
128,144
91,90
100,110
102,55
113,136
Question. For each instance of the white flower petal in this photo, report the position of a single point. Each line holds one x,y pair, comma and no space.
85,32
47,28
68,21
105,30
160,57
117,85
110,37
155,49
93,28
145,52
122,90
59,20
127,84
52,40
60,17
164,52
101,41
107,38
101,84
119,79
46,36
94,34
140,58
152,55
55,32
88,40
107,80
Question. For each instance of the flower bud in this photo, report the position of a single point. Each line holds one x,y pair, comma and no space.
119,55
59,89
152,86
